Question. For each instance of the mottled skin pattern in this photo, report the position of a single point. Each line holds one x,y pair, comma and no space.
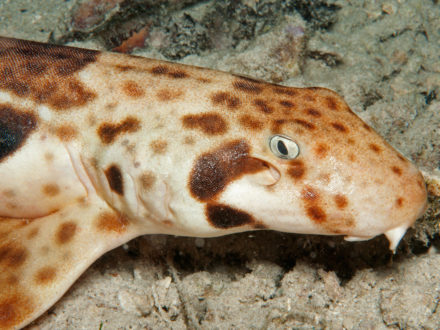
98,148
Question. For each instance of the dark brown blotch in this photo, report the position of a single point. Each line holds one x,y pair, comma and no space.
15,128
225,217
399,202
208,123
65,232
114,178
262,106
224,98
214,170
108,132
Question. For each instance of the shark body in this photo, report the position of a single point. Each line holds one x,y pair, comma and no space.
98,148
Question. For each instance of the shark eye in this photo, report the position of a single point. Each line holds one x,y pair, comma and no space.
283,147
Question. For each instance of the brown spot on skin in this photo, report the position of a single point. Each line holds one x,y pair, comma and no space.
341,201
399,202
9,193
316,213
259,225
248,86
296,169
331,103
223,98
147,180
168,95
159,146
65,232
124,68
285,91
339,127
33,233
321,150
111,222
45,275
262,106
14,310
277,125
179,74
287,104
375,148
251,123
397,170
352,157
165,70
45,73
309,194
214,170
309,98
66,132
51,189
304,123
368,128
189,140
108,132
168,223
132,89
12,255
313,112
209,123
159,70
49,157
224,217
114,178
15,128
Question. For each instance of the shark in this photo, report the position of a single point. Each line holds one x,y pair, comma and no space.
97,148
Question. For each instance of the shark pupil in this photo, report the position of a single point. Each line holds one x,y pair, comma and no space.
282,148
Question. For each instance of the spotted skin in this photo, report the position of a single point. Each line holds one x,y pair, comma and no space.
98,148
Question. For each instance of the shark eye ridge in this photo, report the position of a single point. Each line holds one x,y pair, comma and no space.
283,147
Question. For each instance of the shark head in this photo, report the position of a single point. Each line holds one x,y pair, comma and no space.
306,164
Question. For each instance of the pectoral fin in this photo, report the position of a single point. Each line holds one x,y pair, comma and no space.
41,258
